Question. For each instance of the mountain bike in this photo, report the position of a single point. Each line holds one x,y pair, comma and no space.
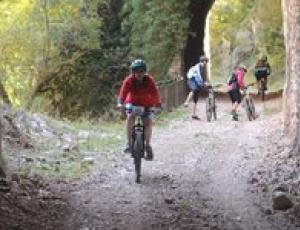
248,104
211,107
137,144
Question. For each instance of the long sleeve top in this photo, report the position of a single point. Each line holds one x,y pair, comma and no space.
140,93
239,83
240,75
194,74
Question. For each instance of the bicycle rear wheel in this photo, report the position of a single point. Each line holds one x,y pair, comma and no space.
208,109
215,113
137,155
263,95
214,108
252,108
262,89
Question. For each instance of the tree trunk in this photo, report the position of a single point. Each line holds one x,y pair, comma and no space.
46,49
291,96
195,41
3,93
2,162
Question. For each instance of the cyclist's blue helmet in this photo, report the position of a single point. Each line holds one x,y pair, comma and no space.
138,64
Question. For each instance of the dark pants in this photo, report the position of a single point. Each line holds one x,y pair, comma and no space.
258,78
235,96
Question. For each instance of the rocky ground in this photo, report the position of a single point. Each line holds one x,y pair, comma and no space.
218,175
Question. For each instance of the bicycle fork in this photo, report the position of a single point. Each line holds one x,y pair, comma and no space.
138,135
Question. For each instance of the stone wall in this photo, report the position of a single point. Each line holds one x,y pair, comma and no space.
291,100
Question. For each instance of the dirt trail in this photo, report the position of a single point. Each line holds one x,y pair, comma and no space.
200,179
204,176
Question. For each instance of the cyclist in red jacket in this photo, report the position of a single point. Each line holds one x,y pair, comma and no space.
139,89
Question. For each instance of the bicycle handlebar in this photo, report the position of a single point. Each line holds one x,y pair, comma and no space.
140,109
215,86
251,84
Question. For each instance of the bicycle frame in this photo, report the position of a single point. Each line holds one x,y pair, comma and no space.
138,132
138,137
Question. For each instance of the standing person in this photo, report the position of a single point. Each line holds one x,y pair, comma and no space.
203,60
262,70
139,89
234,85
196,79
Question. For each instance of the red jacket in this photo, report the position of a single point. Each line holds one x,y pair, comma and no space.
144,93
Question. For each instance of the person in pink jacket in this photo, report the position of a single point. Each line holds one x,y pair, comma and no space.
234,85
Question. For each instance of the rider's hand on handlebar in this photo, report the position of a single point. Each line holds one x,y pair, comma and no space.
158,108
120,106
244,90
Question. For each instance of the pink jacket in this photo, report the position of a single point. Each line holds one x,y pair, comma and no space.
240,75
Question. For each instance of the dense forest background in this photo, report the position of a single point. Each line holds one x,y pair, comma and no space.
69,57
241,31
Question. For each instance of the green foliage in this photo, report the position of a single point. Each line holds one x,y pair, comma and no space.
97,73
241,31
87,77
226,16
15,47
30,36
158,31
73,55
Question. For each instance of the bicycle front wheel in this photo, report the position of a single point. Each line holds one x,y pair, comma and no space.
137,155
208,109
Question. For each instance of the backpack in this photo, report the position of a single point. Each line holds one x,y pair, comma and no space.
195,75
261,71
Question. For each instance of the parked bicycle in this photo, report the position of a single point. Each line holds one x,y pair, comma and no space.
137,144
248,103
211,107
